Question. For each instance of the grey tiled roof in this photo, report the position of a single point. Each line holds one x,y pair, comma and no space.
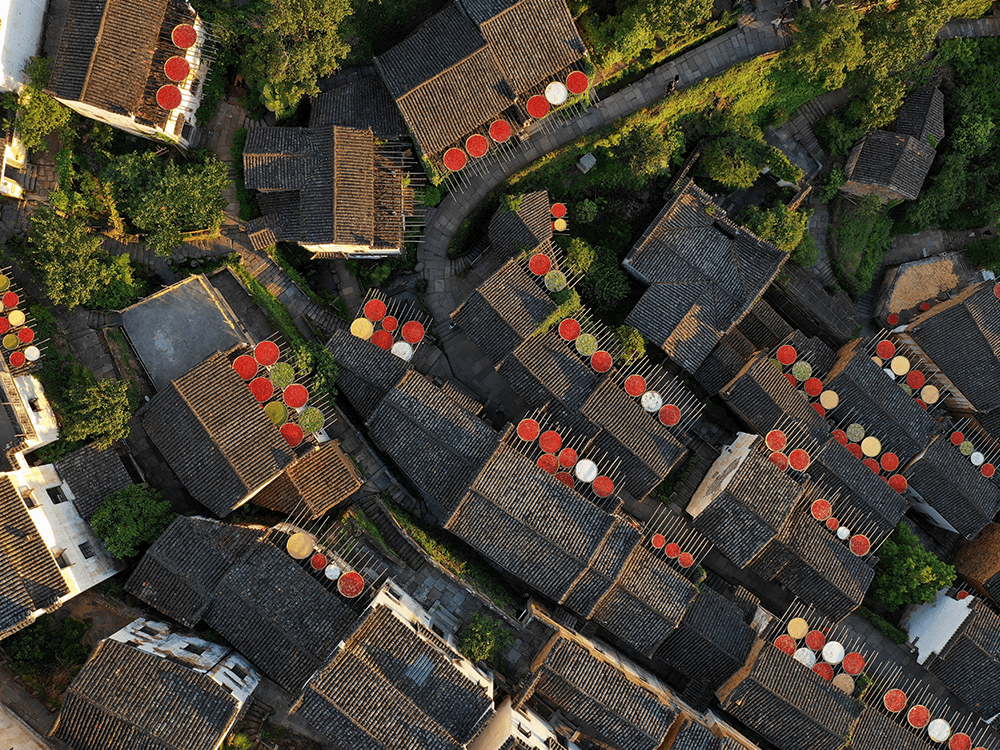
763,397
647,450
336,188
389,688
214,435
704,273
820,569
790,705
127,699
969,665
711,642
29,577
92,475
750,511
278,616
607,705
365,103
529,523
504,310
367,372
764,327
179,574
727,359
878,730
895,162
445,79
440,445
545,368
313,484
955,488
514,232
532,39
922,115
962,337
695,736
881,406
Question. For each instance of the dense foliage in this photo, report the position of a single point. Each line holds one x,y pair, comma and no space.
166,199
72,266
863,236
97,410
130,519
605,284
828,44
985,253
966,174
907,573
48,643
632,342
777,224
735,159
35,113
485,639
620,31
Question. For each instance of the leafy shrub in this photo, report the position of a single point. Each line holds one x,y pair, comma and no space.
633,343
863,237
586,211
165,199
829,44
985,253
248,204
36,114
484,639
579,255
98,410
130,519
806,253
605,284
777,224
885,627
49,643
907,573
121,288
834,181
432,195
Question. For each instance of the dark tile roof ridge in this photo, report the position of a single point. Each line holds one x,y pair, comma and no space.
981,611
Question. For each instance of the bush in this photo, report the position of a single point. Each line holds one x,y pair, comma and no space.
777,224
586,211
863,237
165,199
121,288
885,627
36,114
579,255
806,253
632,342
907,573
432,195
484,639
49,643
985,253
130,519
730,168
605,284
834,181
98,410
248,204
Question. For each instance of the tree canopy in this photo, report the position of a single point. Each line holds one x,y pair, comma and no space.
777,224
829,44
98,410
165,199
907,573
131,518
35,113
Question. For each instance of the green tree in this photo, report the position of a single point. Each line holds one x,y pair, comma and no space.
36,114
777,224
829,44
66,259
49,643
484,639
645,151
985,253
290,46
907,573
640,23
728,166
165,199
97,409
605,284
632,342
806,253
131,518
579,255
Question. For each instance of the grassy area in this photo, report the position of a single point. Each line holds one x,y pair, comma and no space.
862,235
455,557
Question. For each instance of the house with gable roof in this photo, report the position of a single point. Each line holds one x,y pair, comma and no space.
119,699
334,190
137,65
702,271
894,163
475,61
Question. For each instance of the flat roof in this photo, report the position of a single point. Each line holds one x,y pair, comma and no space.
178,327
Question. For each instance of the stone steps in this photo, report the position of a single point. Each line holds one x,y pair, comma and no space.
394,536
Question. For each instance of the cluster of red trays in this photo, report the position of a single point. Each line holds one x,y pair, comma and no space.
822,511
412,331
538,106
672,550
477,145
787,356
888,462
176,68
25,335
798,459
919,717
570,330
295,395
668,414
853,663
988,470
915,379
556,459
